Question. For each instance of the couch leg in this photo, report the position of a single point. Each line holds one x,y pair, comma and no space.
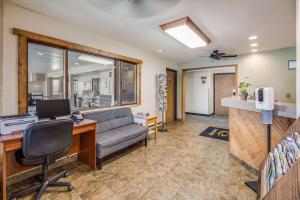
146,142
99,163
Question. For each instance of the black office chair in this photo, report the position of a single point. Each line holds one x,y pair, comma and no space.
43,143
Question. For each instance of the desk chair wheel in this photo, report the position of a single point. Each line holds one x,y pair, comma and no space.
70,188
66,174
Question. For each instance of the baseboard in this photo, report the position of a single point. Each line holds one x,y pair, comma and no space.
199,114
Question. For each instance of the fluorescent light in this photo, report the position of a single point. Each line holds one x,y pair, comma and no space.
96,60
254,45
39,53
159,50
254,50
76,63
55,67
253,37
185,31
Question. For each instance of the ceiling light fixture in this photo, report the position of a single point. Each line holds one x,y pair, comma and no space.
76,63
254,45
159,50
96,60
253,37
55,67
254,50
39,53
185,31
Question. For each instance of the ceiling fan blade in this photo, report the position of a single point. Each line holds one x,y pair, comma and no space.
229,56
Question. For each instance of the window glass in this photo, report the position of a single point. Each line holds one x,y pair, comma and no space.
91,80
45,74
128,83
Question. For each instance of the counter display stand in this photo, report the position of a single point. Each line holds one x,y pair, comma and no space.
286,187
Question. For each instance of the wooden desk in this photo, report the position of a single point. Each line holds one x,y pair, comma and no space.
84,142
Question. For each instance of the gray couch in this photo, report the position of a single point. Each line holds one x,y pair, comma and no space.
115,131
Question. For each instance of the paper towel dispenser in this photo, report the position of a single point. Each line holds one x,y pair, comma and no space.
264,98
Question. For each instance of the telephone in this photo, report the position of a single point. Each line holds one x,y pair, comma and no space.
77,117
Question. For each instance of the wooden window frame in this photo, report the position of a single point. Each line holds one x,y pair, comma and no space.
25,37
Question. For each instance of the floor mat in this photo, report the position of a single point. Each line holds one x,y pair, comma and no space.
216,133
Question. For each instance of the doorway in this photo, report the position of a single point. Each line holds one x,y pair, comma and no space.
185,88
171,95
224,83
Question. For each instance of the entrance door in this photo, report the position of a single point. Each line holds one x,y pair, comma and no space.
171,95
223,86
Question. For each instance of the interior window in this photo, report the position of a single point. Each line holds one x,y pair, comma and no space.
45,74
128,72
92,81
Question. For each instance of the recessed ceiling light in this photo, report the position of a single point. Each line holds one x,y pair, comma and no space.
159,50
253,37
185,31
254,50
96,60
76,63
39,53
254,45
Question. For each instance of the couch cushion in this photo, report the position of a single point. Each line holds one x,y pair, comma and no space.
111,119
118,135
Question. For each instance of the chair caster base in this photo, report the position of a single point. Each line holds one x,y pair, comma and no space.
70,188
66,174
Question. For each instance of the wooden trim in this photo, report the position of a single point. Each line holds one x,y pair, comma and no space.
186,21
25,37
22,75
35,37
175,92
202,68
182,96
210,67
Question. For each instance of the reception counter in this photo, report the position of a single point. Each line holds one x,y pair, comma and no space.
248,135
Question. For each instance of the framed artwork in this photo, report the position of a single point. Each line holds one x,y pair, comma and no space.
292,64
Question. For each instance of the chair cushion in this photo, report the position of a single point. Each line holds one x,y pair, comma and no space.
118,135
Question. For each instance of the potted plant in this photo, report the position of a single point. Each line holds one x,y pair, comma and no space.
243,86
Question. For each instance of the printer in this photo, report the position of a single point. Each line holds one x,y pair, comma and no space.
16,123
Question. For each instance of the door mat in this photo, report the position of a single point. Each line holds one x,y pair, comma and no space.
216,133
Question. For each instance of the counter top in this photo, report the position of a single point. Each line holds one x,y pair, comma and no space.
281,109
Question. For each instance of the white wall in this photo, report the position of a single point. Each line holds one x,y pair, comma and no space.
18,17
199,97
263,69
196,93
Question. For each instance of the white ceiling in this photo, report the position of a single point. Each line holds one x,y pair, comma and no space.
228,23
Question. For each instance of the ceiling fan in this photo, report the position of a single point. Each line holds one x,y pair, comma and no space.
217,55
133,8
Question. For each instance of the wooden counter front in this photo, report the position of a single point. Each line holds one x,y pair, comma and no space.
248,135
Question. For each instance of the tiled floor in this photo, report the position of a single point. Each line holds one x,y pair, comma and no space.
180,165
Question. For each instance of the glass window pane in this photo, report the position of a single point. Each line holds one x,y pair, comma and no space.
45,74
128,92
92,81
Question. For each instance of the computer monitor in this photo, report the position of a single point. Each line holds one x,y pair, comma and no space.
53,108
